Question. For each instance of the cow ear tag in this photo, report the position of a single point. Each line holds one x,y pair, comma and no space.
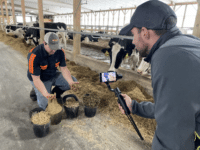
106,53
126,56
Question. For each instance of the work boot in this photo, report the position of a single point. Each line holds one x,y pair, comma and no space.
33,95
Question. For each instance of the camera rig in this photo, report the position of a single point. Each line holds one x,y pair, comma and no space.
122,102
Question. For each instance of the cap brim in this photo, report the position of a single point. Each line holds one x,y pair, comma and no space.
126,30
54,47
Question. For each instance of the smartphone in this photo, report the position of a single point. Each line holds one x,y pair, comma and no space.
108,77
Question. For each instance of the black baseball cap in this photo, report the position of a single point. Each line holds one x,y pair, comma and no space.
152,15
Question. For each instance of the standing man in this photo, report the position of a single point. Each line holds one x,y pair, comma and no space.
175,68
43,61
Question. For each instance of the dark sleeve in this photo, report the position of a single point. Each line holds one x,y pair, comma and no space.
33,64
62,58
176,84
143,109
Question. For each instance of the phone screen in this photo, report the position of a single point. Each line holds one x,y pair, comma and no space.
108,77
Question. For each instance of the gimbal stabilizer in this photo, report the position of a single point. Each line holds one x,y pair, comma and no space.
122,102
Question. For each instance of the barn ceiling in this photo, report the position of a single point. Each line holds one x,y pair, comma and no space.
58,7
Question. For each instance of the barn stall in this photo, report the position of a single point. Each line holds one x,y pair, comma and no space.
86,70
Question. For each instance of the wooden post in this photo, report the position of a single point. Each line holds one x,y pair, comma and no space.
23,12
118,23
196,30
7,17
84,19
99,20
13,11
174,8
104,13
76,40
184,16
107,23
91,23
95,14
113,13
125,12
41,20
87,14
2,13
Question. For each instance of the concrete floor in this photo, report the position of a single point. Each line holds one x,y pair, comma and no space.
16,131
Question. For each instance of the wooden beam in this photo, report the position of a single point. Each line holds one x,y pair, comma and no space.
76,27
171,4
64,4
13,11
8,22
196,30
23,12
36,9
104,10
184,3
41,20
184,16
2,13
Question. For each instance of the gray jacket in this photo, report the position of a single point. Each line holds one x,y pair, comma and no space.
175,68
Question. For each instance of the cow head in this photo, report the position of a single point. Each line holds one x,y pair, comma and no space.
144,68
117,52
8,29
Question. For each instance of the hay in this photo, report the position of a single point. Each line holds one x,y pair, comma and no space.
89,82
53,107
41,118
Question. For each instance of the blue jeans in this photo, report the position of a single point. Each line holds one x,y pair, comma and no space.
59,81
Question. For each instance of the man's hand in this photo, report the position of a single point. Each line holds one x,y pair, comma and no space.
128,103
50,97
74,86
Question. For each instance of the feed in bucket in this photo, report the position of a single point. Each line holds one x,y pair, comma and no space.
41,122
91,102
71,105
55,111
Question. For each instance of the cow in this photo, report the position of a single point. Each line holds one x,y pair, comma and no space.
28,37
62,36
15,30
34,34
119,49
144,68
71,36
132,60
12,28
93,38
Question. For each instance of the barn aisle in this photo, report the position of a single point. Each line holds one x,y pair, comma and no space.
77,134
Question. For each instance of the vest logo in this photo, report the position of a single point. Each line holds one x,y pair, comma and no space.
55,40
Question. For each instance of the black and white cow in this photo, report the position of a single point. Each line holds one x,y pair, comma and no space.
16,31
11,28
93,38
28,37
71,36
34,34
119,49
144,68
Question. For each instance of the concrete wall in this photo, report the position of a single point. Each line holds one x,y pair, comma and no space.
100,66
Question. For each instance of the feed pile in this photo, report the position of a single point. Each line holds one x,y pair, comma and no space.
89,81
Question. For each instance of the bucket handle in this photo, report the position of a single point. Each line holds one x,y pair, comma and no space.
70,95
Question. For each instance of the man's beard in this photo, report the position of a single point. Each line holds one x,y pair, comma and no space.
144,52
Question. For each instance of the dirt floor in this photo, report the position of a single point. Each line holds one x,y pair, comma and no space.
89,83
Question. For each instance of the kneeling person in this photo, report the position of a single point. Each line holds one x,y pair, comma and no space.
43,61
